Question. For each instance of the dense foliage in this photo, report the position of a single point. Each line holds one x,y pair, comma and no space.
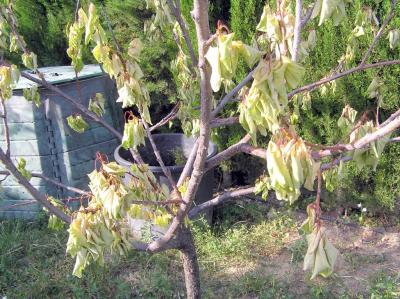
43,23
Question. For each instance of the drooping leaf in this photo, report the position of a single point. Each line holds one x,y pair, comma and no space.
30,60
96,104
321,254
134,134
394,38
21,167
77,123
32,95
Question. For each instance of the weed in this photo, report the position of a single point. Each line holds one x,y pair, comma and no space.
357,260
298,249
385,287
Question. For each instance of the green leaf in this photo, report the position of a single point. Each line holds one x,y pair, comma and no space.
32,95
269,24
321,254
134,49
134,134
22,170
96,104
329,8
77,123
92,22
308,225
373,90
30,60
213,59
394,38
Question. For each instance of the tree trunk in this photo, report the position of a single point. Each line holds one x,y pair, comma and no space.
190,266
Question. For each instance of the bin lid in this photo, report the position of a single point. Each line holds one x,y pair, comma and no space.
60,74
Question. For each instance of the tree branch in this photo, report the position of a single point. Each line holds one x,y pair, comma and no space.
380,31
160,161
56,183
189,164
358,68
72,101
307,16
9,165
219,122
362,142
6,128
170,116
254,151
200,15
227,153
228,97
223,197
297,30
178,16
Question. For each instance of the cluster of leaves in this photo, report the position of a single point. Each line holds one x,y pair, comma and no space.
187,80
266,101
32,95
224,57
16,43
321,254
134,133
54,222
161,19
290,166
103,225
123,68
9,76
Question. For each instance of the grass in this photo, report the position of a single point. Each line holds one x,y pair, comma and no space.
236,257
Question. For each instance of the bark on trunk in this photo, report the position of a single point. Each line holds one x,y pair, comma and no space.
190,266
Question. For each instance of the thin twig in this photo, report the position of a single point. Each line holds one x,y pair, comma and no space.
229,96
178,16
12,23
9,165
104,12
189,164
6,128
160,161
170,116
358,68
72,101
318,197
307,16
59,184
380,31
9,207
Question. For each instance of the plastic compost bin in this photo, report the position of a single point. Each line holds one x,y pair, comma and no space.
43,138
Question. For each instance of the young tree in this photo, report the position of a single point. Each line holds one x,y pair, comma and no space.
104,225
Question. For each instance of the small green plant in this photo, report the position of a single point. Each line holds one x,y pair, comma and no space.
385,287
298,249
178,155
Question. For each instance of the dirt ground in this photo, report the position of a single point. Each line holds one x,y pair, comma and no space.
364,253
